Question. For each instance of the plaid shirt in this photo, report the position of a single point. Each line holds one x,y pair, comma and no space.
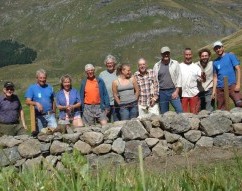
148,86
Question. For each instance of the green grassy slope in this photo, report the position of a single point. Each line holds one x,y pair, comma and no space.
68,34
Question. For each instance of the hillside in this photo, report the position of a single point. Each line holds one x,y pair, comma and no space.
68,34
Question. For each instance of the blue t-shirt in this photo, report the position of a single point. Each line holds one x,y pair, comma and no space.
224,66
41,94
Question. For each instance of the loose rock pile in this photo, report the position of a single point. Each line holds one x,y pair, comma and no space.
117,143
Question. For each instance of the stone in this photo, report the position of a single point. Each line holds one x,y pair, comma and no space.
83,147
45,137
236,117
57,136
237,141
60,166
156,121
194,123
161,149
236,110
187,146
147,125
9,141
22,137
156,133
71,138
50,160
58,147
176,123
93,138
171,137
133,129
82,130
215,125
193,135
237,128
9,156
223,113
188,115
151,142
110,159
169,114
177,147
45,147
226,139
19,163
108,141
118,146
102,149
131,150
203,114
205,142
112,133
33,163
29,148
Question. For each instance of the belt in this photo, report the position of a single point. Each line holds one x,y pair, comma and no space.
46,113
11,123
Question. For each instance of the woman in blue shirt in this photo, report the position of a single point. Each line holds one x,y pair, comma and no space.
68,102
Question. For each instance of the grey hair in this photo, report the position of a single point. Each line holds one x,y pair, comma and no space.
142,59
110,57
41,71
89,66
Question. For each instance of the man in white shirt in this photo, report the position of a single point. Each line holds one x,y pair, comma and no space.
191,74
206,87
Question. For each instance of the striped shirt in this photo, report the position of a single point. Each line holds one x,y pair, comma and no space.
148,86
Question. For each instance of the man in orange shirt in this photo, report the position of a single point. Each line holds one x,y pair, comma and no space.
94,98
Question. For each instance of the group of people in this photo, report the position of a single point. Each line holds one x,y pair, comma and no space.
116,94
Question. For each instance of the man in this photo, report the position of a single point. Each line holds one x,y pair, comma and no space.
10,112
108,76
94,98
149,89
41,96
226,64
206,87
169,77
191,74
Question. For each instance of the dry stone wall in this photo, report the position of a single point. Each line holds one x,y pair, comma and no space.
163,135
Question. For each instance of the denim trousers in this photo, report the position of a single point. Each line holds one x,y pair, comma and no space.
46,121
114,114
165,99
128,111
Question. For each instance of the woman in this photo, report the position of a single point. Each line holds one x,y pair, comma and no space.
68,102
126,92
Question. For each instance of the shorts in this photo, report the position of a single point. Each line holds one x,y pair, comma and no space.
92,113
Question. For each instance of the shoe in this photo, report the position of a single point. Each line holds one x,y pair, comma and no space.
34,133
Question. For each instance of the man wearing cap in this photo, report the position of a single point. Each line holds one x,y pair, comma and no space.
41,95
11,112
191,74
94,98
108,76
168,74
228,65
149,89
206,87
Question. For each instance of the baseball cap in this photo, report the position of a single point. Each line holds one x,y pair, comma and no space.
165,49
8,85
217,43
89,66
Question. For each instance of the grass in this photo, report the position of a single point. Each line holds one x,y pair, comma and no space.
77,175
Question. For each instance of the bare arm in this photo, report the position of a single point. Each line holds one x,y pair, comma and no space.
22,119
237,87
136,88
28,101
115,91
215,79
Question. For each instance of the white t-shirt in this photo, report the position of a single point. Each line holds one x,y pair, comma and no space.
190,74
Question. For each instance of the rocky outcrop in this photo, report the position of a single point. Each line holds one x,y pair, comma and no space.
117,143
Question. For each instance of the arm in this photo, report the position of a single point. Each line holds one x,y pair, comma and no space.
28,101
22,118
136,88
237,87
115,91
215,80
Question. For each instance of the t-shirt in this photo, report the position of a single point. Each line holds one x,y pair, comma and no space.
41,94
108,79
190,74
224,66
9,109
91,92
164,77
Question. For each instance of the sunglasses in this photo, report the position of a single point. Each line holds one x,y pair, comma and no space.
10,89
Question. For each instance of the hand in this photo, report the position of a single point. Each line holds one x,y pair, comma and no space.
69,108
39,107
107,111
213,96
152,102
236,88
174,95
203,77
25,127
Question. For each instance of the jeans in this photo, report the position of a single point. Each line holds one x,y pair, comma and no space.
206,102
128,111
114,114
46,121
165,99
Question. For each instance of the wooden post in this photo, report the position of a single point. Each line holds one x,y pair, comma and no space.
32,118
226,93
